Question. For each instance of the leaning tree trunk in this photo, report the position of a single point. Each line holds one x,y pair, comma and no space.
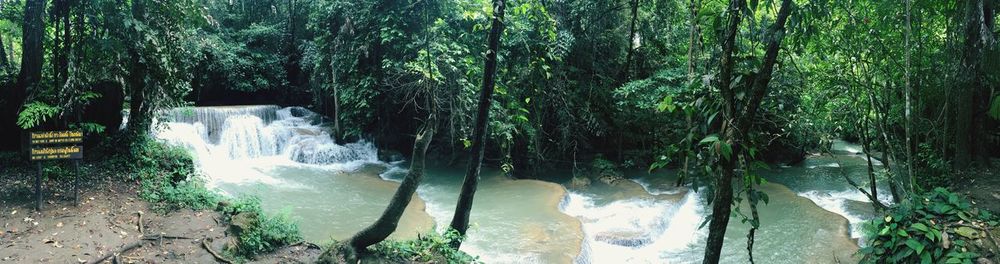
387,223
32,56
460,221
741,121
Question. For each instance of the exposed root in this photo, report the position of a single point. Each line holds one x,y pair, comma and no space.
115,254
204,243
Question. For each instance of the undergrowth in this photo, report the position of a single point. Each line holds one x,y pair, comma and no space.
256,232
169,180
434,248
937,227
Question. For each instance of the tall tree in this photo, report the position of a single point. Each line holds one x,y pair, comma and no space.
460,221
738,120
626,74
973,93
32,56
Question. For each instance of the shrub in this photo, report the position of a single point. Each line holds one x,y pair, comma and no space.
168,179
434,248
257,233
938,227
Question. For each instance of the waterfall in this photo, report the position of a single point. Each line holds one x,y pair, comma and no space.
219,136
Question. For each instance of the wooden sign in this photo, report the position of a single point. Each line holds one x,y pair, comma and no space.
56,145
56,153
56,137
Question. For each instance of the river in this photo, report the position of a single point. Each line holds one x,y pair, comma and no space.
286,157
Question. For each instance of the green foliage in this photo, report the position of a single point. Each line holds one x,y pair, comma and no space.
265,233
433,248
36,113
937,227
168,178
995,108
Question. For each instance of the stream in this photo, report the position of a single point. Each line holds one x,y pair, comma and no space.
286,157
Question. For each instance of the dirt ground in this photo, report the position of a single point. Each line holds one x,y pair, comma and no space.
982,186
106,220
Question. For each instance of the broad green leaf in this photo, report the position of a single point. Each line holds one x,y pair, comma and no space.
709,139
919,226
966,232
915,245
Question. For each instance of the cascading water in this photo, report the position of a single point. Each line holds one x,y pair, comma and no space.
240,133
287,157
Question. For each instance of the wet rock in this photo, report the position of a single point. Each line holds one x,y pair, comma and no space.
624,238
610,179
579,182
241,222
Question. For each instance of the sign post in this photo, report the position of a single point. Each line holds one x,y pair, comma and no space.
56,145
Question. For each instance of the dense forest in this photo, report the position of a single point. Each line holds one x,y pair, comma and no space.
714,91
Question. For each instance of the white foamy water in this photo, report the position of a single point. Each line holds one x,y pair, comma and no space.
836,202
226,139
636,230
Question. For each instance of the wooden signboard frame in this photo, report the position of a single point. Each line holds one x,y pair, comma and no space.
56,145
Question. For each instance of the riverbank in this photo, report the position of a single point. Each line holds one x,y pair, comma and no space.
108,220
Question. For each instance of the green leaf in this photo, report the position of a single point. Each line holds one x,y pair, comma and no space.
915,245
902,233
920,226
966,232
667,104
726,150
995,108
709,139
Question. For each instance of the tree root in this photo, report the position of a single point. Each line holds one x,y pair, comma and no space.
141,229
117,252
132,246
204,243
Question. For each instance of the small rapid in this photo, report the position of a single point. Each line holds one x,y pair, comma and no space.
639,230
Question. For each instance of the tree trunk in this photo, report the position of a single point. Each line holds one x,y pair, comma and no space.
909,106
626,73
460,221
740,122
30,75
387,223
723,196
138,119
970,148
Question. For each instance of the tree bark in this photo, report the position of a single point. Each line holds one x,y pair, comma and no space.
138,119
909,106
973,98
626,73
739,122
460,221
28,78
389,220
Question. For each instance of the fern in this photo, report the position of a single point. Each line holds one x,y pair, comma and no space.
36,113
